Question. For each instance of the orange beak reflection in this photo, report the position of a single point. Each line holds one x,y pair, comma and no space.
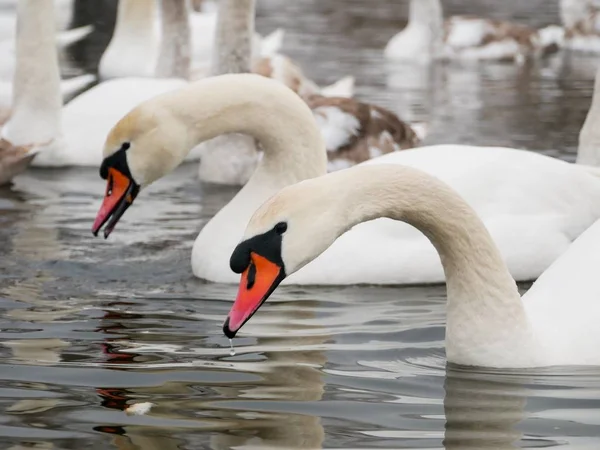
258,281
120,193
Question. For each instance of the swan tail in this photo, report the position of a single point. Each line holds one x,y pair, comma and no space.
420,129
344,87
552,38
66,38
272,43
73,85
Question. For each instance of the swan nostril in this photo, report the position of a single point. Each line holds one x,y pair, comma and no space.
251,276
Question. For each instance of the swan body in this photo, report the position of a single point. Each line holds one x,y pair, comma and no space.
533,205
532,216
355,132
488,324
563,306
427,36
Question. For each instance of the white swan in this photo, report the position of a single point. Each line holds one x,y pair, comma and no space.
533,205
581,22
427,36
488,324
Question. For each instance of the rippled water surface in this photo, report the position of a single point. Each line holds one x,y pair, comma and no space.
89,327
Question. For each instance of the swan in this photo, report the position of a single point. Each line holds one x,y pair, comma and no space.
428,36
488,324
354,131
581,22
32,124
533,205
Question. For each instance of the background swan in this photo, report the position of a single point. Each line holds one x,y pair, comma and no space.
487,322
134,46
428,36
32,125
533,205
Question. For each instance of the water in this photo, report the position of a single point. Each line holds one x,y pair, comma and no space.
90,327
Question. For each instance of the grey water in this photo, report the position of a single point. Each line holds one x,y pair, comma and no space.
89,327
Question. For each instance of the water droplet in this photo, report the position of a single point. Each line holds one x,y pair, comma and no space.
231,350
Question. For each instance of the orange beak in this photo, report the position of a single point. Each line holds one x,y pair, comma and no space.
120,193
258,281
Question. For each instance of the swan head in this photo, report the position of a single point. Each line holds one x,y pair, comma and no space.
284,234
141,148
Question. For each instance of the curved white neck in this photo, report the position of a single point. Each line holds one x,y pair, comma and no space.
485,312
37,100
293,149
265,109
174,57
234,35
588,151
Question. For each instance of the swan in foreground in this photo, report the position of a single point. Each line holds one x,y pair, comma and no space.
428,36
533,205
581,22
488,324
354,131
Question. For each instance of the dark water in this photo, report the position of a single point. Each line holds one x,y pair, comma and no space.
89,326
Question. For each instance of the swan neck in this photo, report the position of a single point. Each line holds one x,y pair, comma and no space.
482,295
37,99
133,49
276,117
234,35
174,59
134,16
588,151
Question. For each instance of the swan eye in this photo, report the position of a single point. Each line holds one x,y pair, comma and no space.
280,228
125,146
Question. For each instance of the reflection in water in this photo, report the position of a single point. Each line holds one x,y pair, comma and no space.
283,376
482,413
